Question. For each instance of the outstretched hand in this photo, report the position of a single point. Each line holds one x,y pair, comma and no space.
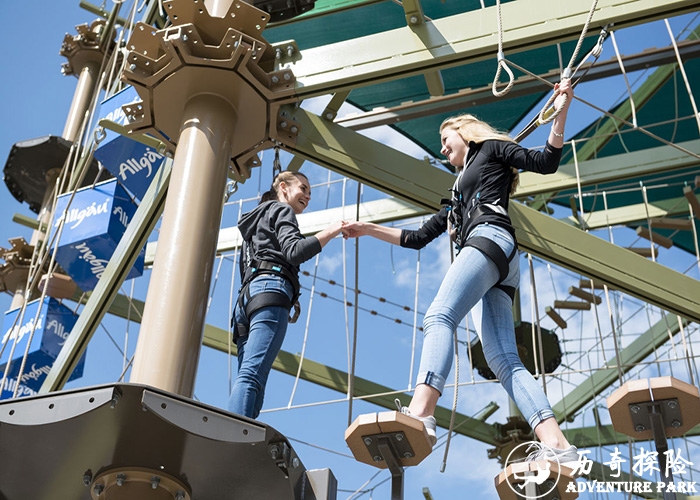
353,229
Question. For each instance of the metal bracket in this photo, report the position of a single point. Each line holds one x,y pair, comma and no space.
399,445
669,408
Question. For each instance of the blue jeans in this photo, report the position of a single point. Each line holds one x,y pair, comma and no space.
258,349
469,283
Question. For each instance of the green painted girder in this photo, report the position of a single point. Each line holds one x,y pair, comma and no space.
407,178
637,351
126,253
613,168
445,42
618,267
631,214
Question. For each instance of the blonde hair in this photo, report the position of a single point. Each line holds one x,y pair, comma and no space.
286,176
471,129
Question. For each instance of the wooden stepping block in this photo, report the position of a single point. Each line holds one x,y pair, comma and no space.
550,483
58,286
406,437
678,402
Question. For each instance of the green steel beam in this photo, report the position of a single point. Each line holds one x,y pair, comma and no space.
631,213
444,43
593,257
524,85
120,264
407,178
613,168
603,378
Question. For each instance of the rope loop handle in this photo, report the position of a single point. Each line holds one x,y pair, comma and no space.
502,65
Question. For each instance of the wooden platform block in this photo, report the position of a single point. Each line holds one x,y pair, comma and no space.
679,403
555,317
587,296
655,237
644,251
672,223
546,477
406,436
58,286
572,304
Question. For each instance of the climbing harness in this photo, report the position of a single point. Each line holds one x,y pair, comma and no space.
488,247
250,304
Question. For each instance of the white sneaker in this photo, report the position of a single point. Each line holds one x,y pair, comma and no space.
428,422
568,457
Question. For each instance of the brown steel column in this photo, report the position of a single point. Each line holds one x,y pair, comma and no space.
81,100
170,337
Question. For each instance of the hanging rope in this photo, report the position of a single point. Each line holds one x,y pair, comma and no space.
627,83
685,77
539,360
646,210
581,214
351,373
502,64
545,116
595,52
232,297
456,393
415,323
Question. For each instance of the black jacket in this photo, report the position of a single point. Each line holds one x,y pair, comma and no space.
485,183
272,232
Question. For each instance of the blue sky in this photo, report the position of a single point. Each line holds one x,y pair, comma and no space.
35,101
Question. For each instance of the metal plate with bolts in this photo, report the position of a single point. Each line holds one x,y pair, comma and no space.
362,434
670,413
397,441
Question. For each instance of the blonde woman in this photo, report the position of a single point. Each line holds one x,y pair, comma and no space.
485,272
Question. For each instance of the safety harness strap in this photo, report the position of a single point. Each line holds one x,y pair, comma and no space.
494,252
266,299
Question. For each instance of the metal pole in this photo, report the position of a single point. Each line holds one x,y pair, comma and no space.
81,99
170,338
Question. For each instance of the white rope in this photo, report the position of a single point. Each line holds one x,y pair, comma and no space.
685,77
695,237
582,220
415,323
128,324
618,360
646,209
627,83
232,297
681,329
545,116
613,117
308,310
536,330
502,64
456,386
351,373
